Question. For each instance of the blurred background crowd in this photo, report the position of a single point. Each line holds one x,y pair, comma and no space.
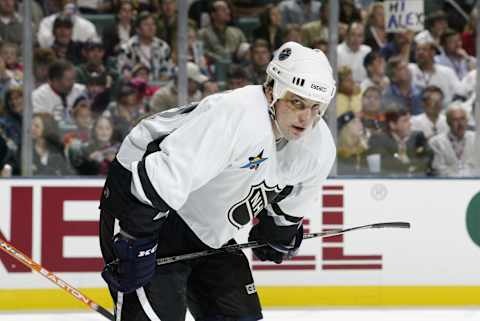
404,107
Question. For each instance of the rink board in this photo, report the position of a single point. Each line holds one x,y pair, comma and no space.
434,263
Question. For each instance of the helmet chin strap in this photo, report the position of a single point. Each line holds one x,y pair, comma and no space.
282,140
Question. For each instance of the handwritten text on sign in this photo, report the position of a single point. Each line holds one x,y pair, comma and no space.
404,14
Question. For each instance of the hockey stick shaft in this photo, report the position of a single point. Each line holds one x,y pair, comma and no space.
254,244
28,262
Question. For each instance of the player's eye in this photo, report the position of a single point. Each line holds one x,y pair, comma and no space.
298,104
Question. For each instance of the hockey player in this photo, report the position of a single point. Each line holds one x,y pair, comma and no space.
189,178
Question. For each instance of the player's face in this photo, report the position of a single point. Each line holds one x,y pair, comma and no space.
295,115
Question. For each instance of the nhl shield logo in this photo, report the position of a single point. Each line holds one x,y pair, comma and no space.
257,199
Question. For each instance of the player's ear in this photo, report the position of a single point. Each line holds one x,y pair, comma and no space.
268,93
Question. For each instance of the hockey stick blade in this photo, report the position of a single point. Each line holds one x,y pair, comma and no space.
28,262
254,244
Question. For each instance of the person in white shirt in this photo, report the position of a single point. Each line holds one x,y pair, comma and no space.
432,121
454,151
427,73
190,178
57,96
83,29
453,55
352,51
299,11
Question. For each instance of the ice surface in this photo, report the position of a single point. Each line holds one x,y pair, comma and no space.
294,315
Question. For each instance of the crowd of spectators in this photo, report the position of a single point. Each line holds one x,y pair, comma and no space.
404,104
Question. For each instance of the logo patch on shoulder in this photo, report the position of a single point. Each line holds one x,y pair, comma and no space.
254,162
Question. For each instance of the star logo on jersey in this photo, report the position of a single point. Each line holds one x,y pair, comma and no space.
254,162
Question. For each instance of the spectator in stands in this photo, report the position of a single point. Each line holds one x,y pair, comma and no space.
375,34
260,57
144,88
293,32
271,27
11,26
63,44
400,45
237,78
56,97
348,95
321,44
37,12
83,119
453,55
372,115
210,87
401,90
435,24
454,151
195,50
95,62
11,126
9,52
221,41
349,12
94,157
166,97
469,34
98,91
167,22
352,145
432,121
426,72
352,51
318,29
48,156
121,31
403,152
4,155
374,64
42,59
94,7
144,5
82,31
125,111
299,12
147,49
103,146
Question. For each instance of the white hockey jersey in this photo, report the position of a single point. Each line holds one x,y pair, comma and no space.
219,165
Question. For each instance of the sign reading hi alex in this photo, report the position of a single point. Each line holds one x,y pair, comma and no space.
404,14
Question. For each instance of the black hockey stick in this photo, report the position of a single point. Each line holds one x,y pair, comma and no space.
15,253
254,244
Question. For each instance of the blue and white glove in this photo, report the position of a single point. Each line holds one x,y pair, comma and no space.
135,263
276,251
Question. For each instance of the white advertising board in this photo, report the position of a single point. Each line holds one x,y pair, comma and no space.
56,223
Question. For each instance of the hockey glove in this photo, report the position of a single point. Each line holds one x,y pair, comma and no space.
275,251
135,264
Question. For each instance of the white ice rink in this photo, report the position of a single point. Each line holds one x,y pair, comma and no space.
294,315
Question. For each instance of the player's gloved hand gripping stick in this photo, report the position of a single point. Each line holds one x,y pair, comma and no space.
275,251
135,263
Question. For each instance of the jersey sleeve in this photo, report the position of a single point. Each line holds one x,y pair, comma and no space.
188,158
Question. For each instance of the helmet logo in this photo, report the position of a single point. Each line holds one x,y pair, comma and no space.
318,87
284,54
